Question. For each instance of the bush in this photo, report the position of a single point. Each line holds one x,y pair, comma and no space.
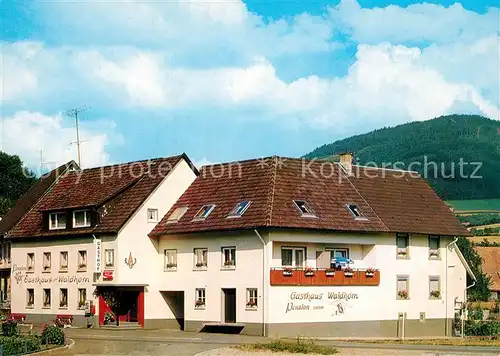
10,328
482,328
476,313
52,335
19,345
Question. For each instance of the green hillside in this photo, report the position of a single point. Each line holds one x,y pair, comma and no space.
444,140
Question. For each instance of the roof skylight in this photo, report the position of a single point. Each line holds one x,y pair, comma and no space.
177,215
355,211
304,209
239,209
203,213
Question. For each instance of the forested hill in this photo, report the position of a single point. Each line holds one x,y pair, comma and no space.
444,140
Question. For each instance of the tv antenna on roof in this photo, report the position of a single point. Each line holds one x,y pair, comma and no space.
74,113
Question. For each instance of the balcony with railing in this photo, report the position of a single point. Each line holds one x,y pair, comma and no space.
324,277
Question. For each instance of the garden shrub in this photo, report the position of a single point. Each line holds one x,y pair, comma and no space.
10,328
19,345
52,335
476,313
482,328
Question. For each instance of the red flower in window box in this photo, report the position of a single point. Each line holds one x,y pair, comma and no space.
370,272
309,272
348,272
287,271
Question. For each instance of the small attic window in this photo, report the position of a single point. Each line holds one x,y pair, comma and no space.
239,209
177,215
355,211
203,213
304,209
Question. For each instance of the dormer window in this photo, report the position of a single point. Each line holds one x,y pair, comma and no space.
57,221
355,211
177,215
304,209
203,213
239,209
81,218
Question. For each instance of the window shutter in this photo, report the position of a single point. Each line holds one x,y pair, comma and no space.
45,221
94,217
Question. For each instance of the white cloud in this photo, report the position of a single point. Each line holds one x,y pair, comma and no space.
16,78
417,22
26,133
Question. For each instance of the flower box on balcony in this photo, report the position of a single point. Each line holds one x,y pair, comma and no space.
370,272
309,272
288,272
330,273
348,272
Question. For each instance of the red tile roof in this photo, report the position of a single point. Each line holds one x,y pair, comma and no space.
24,204
116,192
491,265
405,202
389,203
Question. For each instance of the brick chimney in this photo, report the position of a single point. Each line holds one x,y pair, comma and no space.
346,162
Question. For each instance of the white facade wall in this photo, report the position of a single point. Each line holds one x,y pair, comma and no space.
55,279
133,240
374,303
248,273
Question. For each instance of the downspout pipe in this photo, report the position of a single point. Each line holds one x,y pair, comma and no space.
446,287
463,308
263,282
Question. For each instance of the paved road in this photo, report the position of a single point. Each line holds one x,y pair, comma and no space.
177,343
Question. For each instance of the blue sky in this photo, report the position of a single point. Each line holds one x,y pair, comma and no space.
231,80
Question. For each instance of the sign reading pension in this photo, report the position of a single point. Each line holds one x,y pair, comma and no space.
337,303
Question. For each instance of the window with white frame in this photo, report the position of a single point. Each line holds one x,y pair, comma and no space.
339,257
177,215
109,258
30,262
200,298
200,258
63,298
152,215
434,245
229,257
46,261
63,261
403,245
403,290
82,297
204,212
82,260
434,287
57,221
239,209
30,298
252,298
170,259
81,218
46,298
293,256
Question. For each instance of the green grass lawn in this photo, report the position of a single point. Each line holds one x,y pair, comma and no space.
297,347
473,205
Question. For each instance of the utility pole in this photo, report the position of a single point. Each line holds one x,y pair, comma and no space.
74,113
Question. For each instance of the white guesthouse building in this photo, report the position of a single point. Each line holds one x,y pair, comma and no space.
273,246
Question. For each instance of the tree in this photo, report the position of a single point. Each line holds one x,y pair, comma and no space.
15,180
481,291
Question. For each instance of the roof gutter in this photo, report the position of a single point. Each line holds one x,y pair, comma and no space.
446,286
263,282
